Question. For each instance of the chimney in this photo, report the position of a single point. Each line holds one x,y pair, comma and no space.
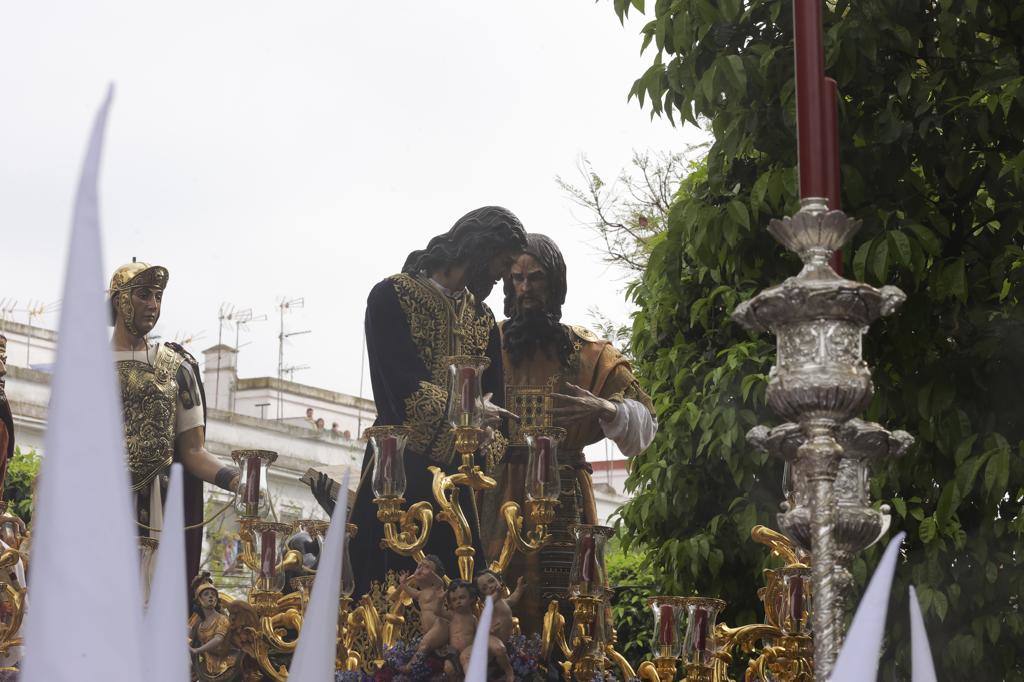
220,372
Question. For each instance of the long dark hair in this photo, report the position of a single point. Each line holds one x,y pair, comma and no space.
547,253
479,235
526,332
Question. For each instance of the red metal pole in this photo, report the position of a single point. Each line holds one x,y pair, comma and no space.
809,56
832,158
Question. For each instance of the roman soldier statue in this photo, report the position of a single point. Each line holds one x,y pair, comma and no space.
164,406
557,375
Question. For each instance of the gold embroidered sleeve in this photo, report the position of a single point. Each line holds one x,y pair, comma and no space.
425,415
494,450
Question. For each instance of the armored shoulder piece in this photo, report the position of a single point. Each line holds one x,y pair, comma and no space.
190,384
583,333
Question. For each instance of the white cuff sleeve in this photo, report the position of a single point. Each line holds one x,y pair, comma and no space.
632,428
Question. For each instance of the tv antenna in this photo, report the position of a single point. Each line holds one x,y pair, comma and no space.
229,315
186,339
7,307
284,306
35,310
242,320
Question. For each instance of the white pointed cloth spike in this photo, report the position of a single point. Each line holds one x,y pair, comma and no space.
317,647
166,622
477,669
86,601
858,660
922,667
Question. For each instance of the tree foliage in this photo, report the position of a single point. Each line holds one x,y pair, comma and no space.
18,486
630,574
628,212
931,127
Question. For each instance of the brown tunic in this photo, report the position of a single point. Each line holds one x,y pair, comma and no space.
597,366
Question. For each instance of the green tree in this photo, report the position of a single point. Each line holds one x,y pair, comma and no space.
630,574
21,475
931,128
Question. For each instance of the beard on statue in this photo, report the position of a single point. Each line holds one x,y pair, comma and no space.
531,329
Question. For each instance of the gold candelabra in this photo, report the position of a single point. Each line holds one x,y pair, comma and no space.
787,651
542,497
12,593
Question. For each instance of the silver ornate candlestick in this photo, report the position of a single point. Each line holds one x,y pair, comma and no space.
819,383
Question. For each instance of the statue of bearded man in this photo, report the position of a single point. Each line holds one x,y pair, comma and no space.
557,375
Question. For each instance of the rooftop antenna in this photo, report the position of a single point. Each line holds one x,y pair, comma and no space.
292,369
284,306
7,308
183,339
224,316
36,310
243,318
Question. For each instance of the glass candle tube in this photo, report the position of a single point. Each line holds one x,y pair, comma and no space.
388,443
253,495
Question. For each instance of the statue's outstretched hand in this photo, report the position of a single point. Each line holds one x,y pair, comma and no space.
578,403
493,413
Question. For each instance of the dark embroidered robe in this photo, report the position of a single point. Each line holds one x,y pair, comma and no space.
411,327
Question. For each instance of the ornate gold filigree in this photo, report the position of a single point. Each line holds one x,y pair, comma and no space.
441,327
148,399
425,415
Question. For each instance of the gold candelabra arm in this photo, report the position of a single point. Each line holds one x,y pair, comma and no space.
291,562
9,632
618,659
791,659
409,534
648,673
467,441
365,617
248,550
9,557
779,544
662,669
533,541
394,618
446,493
273,627
553,632
745,636
275,673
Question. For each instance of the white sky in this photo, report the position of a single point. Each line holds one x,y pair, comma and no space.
261,150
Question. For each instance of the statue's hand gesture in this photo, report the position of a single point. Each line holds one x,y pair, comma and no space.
493,414
321,488
579,403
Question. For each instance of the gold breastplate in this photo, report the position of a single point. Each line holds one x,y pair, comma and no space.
149,399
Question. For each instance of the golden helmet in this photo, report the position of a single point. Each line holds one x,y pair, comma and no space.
132,276
203,587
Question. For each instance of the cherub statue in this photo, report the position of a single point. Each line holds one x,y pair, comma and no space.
461,600
429,594
492,584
